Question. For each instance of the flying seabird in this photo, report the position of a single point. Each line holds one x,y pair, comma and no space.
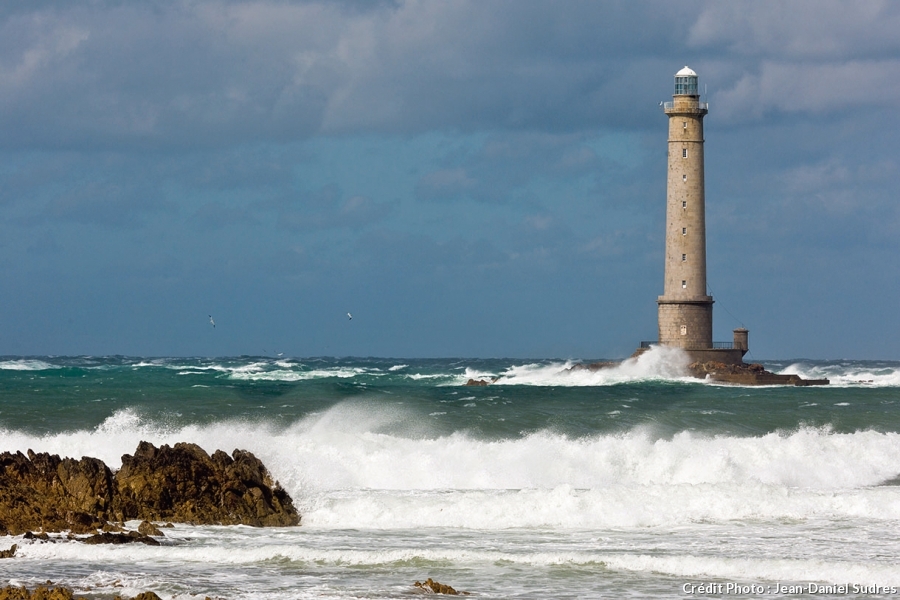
349,317
211,322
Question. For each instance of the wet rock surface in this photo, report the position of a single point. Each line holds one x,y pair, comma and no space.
433,587
50,592
747,374
43,492
185,484
120,538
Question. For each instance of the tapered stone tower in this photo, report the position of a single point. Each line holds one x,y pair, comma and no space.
685,310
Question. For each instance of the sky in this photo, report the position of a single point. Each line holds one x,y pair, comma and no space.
471,178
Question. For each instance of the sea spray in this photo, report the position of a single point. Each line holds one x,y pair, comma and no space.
556,482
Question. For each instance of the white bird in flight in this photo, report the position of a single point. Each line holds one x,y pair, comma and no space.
349,317
211,322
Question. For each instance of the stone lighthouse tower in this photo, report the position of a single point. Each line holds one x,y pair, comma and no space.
685,310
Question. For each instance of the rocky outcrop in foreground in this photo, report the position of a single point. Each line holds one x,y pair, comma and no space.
41,592
187,485
183,483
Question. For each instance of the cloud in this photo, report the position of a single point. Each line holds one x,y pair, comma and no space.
503,167
444,184
799,30
502,147
327,208
205,73
810,89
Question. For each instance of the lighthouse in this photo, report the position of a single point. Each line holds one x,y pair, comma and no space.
685,309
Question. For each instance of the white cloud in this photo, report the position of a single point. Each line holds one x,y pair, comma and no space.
810,88
791,30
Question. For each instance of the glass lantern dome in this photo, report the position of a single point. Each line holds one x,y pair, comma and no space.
686,83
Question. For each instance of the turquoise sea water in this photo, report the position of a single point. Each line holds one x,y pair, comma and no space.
628,482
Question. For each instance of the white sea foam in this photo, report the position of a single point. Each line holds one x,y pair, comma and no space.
333,464
741,559
847,375
658,363
24,364
258,374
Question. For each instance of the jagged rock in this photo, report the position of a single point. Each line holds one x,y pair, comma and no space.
41,592
44,491
47,493
434,587
11,592
183,483
9,553
494,378
120,538
148,528
744,374
141,596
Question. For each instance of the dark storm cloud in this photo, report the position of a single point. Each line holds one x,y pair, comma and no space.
201,73
803,57
508,148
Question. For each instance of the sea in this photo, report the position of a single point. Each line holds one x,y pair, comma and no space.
628,482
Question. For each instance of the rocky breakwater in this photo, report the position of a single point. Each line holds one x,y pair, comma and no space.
181,483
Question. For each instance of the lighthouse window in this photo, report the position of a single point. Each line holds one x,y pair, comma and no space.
684,177
684,330
684,258
684,204
685,124
683,284
684,153
684,231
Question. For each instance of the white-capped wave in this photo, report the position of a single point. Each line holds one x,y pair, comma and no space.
259,374
26,364
848,374
332,463
657,363
739,561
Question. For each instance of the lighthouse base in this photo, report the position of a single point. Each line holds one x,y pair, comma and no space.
744,374
726,356
726,365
